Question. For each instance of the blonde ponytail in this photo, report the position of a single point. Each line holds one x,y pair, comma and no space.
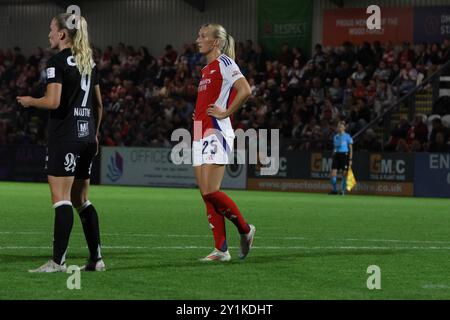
228,49
226,41
81,48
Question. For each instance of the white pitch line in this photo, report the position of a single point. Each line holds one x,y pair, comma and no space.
391,240
256,247
150,235
435,286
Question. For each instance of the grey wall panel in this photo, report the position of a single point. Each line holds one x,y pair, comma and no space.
159,22
25,25
153,23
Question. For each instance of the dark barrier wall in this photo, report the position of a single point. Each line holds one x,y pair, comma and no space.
26,163
432,175
22,163
420,174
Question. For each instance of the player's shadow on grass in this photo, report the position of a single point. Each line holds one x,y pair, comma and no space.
265,259
194,262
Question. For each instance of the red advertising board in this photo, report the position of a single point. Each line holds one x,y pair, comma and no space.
340,25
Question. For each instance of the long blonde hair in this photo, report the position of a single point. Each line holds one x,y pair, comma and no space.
81,48
226,41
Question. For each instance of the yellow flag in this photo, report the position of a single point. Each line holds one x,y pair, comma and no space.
351,181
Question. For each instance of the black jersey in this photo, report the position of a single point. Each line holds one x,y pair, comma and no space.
73,120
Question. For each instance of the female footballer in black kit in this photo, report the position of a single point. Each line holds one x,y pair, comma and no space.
74,100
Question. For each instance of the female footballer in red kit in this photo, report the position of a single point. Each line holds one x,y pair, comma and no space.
221,91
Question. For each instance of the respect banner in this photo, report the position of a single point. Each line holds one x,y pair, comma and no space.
288,21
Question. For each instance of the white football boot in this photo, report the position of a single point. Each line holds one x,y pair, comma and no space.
247,242
217,255
94,266
50,267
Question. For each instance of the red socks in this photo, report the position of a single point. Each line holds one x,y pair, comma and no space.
217,224
224,205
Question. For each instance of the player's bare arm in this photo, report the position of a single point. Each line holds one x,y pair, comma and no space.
243,93
50,101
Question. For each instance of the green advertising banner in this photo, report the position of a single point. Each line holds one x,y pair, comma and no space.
285,21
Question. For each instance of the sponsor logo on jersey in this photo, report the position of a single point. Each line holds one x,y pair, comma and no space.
203,84
83,128
70,162
71,61
50,73
235,73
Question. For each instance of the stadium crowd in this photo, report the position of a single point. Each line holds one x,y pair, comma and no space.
147,97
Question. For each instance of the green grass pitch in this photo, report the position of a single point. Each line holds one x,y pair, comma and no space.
307,246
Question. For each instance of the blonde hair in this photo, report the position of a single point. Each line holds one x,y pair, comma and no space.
81,48
226,41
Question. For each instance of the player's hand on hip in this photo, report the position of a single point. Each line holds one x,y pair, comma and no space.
216,112
25,101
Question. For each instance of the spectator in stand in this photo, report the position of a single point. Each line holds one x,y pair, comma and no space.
445,50
418,131
348,91
389,55
369,141
170,56
402,146
365,55
438,127
378,51
319,57
439,144
297,126
434,55
360,73
382,73
408,78
317,91
383,98
311,129
359,116
294,74
329,112
336,93
360,90
285,56
344,71
406,55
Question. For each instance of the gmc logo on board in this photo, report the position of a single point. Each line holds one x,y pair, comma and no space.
320,165
386,168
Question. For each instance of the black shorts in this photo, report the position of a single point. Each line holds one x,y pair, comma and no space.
340,161
70,159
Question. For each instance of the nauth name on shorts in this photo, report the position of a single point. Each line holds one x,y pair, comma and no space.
82,112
